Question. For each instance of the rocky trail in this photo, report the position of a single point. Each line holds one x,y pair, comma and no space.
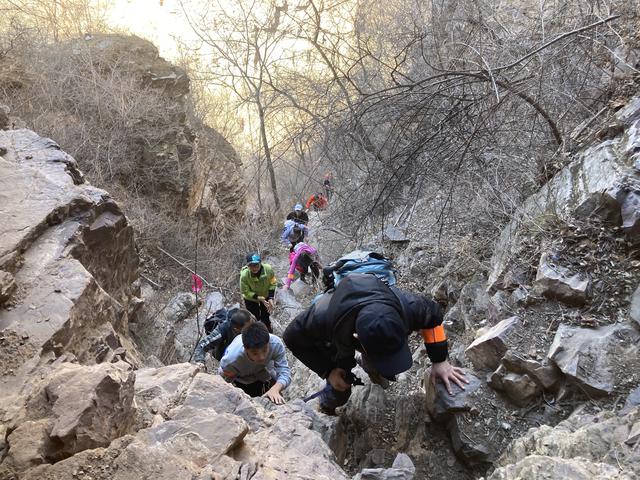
95,383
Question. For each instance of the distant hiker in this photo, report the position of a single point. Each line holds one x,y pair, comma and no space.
305,259
218,339
293,232
327,183
258,287
256,362
364,314
317,201
298,215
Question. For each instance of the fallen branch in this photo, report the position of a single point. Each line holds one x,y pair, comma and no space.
557,39
150,281
184,266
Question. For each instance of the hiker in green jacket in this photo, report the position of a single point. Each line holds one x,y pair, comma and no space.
258,287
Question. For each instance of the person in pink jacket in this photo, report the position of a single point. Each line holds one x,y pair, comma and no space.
303,258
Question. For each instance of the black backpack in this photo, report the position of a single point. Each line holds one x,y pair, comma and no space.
220,316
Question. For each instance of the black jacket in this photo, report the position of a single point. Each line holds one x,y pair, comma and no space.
322,336
299,216
217,342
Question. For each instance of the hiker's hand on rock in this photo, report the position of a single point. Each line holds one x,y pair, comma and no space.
338,379
448,373
270,304
273,394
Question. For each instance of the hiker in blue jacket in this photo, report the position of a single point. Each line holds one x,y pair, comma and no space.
221,336
364,314
257,363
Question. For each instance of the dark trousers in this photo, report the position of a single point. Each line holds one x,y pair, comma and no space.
309,264
259,311
255,389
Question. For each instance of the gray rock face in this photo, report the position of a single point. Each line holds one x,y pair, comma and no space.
213,302
75,408
486,352
92,405
600,180
395,235
442,406
70,251
543,373
205,435
158,390
588,357
30,444
180,306
556,281
446,409
633,400
472,305
519,388
471,451
581,447
7,286
402,469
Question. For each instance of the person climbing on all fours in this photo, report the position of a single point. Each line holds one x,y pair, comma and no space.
222,335
298,215
293,233
258,288
364,314
257,363
304,259
317,202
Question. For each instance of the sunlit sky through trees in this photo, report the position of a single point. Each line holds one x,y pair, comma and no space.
160,21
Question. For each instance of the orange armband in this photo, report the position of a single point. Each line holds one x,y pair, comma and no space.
434,335
291,276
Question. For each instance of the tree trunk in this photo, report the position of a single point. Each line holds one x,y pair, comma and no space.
267,155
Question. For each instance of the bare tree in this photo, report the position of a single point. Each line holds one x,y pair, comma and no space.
243,42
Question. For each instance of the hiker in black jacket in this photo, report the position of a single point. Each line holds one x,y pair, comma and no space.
221,336
364,314
298,215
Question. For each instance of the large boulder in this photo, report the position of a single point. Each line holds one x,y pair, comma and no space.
581,447
442,406
72,256
206,435
521,389
74,408
448,410
589,358
91,405
401,469
30,444
486,351
158,390
522,379
558,282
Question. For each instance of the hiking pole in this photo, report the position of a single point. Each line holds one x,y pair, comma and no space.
353,380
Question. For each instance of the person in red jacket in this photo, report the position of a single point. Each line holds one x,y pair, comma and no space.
317,201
